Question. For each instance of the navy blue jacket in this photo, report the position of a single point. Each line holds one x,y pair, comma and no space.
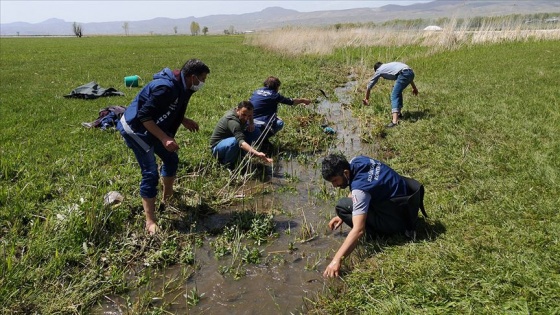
164,100
376,178
265,101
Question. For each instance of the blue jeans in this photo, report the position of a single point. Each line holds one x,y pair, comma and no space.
148,165
403,80
275,126
228,152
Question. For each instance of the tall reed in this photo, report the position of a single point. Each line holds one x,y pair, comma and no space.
455,33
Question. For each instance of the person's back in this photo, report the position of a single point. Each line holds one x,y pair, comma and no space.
265,101
376,178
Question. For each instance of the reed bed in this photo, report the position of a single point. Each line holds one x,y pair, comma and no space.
454,34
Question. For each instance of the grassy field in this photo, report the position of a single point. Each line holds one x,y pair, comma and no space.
482,136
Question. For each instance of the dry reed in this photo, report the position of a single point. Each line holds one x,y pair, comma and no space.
322,41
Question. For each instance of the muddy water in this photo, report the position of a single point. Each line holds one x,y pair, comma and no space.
291,265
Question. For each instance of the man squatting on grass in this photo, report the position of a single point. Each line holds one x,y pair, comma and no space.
403,76
369,209
150,123
266,100
233,132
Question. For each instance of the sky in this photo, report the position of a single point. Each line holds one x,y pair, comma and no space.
108,11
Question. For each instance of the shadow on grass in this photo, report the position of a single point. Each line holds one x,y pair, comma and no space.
426,230
413,116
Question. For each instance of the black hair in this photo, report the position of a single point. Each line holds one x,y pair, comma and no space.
245,104
377,65
334,165
272,83
194,66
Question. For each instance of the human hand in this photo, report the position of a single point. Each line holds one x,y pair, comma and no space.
263,157
332,269
415,92
251,127
365,101
190,124
335,223
170,145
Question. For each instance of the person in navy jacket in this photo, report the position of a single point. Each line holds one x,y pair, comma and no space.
265,101
150,123
368,210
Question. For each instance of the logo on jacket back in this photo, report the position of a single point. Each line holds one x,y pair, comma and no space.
374,170
264,93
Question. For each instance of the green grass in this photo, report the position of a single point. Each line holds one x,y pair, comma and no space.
482,136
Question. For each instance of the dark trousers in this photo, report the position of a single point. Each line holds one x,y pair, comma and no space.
393,216
385,218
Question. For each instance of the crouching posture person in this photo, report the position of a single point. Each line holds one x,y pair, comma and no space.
233,135
382,202
266,100
150,123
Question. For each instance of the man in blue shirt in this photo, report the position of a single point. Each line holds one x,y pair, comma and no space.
265,101
150,123
403,76
370,209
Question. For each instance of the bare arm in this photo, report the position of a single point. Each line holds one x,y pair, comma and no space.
305,101
414,89
359,222
365,101
247,147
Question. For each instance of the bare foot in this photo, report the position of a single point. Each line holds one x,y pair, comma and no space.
152,228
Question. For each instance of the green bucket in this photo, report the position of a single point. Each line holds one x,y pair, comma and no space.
131,81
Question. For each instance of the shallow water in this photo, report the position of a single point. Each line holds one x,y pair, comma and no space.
285,278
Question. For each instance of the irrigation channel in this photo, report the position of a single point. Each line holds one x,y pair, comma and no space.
291,269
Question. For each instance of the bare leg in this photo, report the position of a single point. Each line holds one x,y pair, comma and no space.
149,205
167,188
395,117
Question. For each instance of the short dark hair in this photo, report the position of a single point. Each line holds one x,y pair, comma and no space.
334,165
245,104
377,65
194,66
272,83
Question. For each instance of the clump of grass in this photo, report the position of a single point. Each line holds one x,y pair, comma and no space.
243,226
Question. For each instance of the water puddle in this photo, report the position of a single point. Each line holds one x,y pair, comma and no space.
291,269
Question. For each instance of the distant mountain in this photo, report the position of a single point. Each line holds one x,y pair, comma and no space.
276,17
